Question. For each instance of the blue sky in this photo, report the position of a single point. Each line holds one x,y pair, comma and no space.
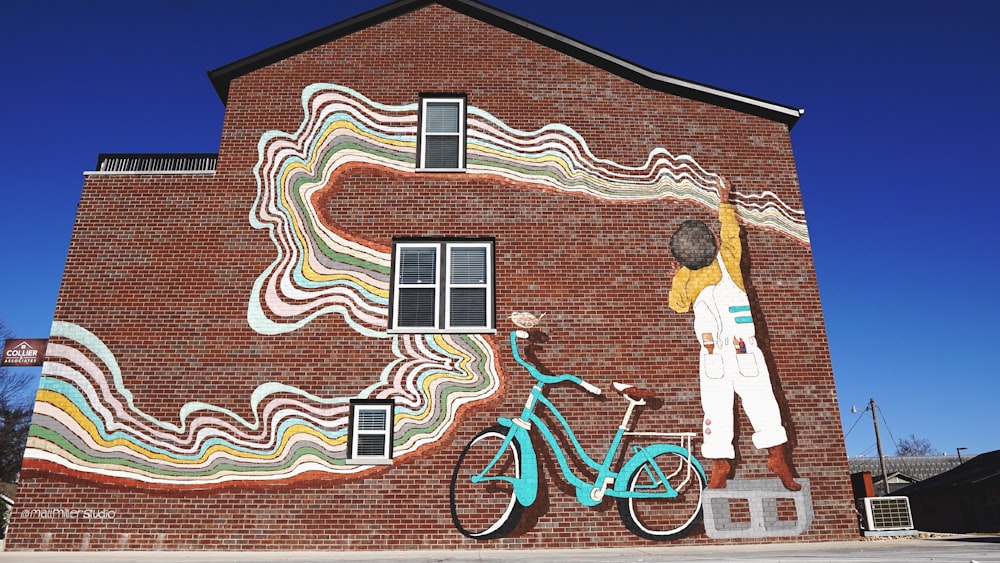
895,156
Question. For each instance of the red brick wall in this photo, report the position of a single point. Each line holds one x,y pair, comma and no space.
161,268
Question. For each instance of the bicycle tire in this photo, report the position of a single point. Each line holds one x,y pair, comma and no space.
664,518
486,510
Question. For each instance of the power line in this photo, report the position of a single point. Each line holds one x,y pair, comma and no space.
856,421
887,427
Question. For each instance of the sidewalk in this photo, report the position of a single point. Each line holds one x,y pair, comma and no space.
938,548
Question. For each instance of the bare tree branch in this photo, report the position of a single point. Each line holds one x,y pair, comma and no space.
15,415
913,446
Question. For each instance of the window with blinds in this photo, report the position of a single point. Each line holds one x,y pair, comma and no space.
417,290
442,133
370,439
442,286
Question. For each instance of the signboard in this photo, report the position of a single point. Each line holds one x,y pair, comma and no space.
23,352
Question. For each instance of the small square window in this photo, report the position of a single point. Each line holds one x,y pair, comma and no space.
442,286
442,134
370,439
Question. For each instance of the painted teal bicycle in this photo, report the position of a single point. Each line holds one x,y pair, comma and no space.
658,489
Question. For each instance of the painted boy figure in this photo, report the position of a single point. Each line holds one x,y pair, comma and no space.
710,284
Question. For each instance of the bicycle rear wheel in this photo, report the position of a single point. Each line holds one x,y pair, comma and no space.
663,518
488,509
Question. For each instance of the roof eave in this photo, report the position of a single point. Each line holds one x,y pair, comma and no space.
222,76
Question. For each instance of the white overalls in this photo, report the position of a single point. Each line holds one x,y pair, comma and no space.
736,366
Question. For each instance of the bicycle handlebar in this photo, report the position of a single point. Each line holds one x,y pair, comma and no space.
593,389
548,379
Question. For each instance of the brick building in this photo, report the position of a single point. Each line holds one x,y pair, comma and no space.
289,345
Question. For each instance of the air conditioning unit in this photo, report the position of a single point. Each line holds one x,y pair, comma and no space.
886,513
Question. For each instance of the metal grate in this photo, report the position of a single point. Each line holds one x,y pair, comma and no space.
888,513
174,162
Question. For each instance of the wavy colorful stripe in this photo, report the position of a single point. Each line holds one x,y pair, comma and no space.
87,424
319,270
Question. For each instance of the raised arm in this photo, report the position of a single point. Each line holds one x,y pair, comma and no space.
724,188
730,245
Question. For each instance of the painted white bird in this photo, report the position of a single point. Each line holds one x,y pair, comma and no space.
524,319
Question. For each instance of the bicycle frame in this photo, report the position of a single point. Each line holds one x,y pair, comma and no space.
588,494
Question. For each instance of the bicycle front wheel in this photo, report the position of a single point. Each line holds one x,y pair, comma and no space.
487,509
663,518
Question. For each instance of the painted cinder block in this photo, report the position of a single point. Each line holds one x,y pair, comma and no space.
761,498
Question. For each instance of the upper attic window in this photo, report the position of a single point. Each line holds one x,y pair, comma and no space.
442,134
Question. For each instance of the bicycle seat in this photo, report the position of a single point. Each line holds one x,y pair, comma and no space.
633,392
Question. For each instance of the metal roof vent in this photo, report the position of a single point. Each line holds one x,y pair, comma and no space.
157,163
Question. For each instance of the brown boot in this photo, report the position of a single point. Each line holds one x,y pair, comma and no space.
720,472
778,464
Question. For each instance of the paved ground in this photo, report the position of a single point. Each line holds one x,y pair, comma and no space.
939,549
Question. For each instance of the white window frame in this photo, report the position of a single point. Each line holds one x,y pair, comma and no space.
443,286
399,285
387,407
424,133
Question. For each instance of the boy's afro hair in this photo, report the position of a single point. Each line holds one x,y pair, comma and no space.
693,245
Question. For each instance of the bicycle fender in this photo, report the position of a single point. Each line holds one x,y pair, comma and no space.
648,453
525,488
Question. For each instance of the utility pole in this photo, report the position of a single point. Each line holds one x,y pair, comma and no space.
878,443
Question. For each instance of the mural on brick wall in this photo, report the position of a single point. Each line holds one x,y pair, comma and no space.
87,425
660,487
710,285
86,422
654,478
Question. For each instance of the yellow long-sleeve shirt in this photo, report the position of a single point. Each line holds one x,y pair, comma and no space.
688,284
